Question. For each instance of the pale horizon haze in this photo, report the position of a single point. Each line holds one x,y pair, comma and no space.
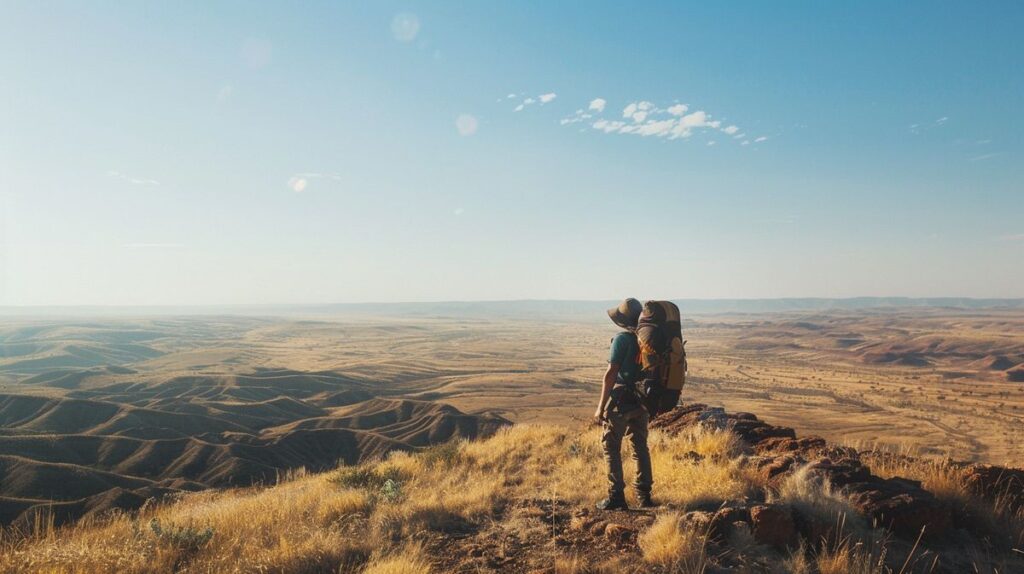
214,153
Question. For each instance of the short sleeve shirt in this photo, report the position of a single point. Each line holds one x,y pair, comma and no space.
623,353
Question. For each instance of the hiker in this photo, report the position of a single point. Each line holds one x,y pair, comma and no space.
621,412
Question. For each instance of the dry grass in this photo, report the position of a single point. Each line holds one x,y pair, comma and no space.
361,519
363,515
674,544
409,560
949,484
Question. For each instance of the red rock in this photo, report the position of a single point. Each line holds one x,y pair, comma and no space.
618,533
773,525
997,483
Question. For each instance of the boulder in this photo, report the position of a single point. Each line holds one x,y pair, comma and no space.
773,525
997,483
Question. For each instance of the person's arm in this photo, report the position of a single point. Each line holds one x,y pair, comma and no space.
606,390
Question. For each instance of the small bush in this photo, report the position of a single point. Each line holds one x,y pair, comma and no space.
365,476
391,491
446,454
181,537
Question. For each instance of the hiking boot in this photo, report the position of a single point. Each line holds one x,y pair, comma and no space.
645,500
613,503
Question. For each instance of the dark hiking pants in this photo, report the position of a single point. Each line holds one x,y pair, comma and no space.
632,424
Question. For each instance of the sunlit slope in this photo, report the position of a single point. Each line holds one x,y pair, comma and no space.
736,495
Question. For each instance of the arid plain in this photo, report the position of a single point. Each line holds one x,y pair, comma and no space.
137,407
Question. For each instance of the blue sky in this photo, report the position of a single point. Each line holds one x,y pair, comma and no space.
231,152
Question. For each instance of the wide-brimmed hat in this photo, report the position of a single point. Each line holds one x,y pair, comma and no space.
626,314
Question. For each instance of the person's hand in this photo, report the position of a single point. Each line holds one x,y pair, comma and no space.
598,416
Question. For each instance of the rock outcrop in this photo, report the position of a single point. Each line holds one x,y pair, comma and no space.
899,504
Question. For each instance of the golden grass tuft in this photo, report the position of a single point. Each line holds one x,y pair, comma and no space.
409,560
673,544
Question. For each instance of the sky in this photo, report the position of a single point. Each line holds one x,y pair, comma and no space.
192,153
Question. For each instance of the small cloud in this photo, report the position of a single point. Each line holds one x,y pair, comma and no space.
745,142
760,139
300,181
459,211
677,109
114,174
466,124
529,101
510,97
711,143
918,128
404,27
518,108
597,105
545,98
731,130
629,110
256,53
983,157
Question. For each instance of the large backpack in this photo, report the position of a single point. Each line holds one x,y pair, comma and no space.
662,356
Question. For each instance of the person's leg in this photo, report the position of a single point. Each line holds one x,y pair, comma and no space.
636,429
611,440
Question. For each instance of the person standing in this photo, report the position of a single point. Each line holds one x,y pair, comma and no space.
621,413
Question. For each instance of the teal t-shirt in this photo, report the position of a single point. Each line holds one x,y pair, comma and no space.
623,353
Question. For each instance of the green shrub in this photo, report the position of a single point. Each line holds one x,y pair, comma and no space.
183,537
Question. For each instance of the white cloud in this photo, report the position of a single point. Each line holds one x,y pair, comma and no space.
656,128
760,139
608,126
983,157
678,109
545,98
745,142
644,118
466,125
510,97
711,143
518,108
405,26
114,174
528,101
300,181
